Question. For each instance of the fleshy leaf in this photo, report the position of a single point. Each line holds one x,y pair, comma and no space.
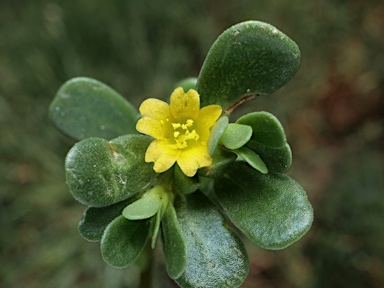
268,140
277,159
123,241
252,159
247,59
185,184
143,208
155,230
175,250
267,129
164,194
95,220
100,173
216,255
216,132
220,159
236,135
85,107
271,209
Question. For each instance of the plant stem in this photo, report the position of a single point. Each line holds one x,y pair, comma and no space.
241,101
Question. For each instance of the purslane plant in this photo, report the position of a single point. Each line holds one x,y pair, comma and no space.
182,170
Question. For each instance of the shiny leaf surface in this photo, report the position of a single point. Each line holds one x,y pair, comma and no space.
276,159
95,220
247,59
271,209
100,173
174,244
85,107
123,241
216,255
252,159
236,135
266,128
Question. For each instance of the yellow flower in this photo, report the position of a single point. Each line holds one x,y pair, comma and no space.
181,131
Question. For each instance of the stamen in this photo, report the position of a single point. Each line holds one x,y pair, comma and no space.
183,134
176,125
189,122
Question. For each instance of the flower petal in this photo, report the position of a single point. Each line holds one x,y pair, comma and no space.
185,105
207,118
163,122
160,152
209,114
153,127
155,108
194,158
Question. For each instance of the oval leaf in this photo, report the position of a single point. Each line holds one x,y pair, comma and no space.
95,220
271,209
276,159
216,133
216,255
249,58
267,129
144,208
252,159
85,107
123,241
236,136
175,250
100,173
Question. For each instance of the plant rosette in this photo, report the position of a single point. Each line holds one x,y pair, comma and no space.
181,170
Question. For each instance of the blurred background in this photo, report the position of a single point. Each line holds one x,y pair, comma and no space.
332,112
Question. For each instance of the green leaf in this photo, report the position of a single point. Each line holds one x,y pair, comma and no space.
162,196
100,173
123,241
220,159
95,220
277,159
187,83
85,107
216,255
236,135
247,59
155,229
183,183
144,208
216,133
267,129
271,209
174,246
252,159
268,140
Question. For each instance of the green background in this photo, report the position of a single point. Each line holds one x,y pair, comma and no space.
332,112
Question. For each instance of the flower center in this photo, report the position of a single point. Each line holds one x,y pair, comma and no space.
182,133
